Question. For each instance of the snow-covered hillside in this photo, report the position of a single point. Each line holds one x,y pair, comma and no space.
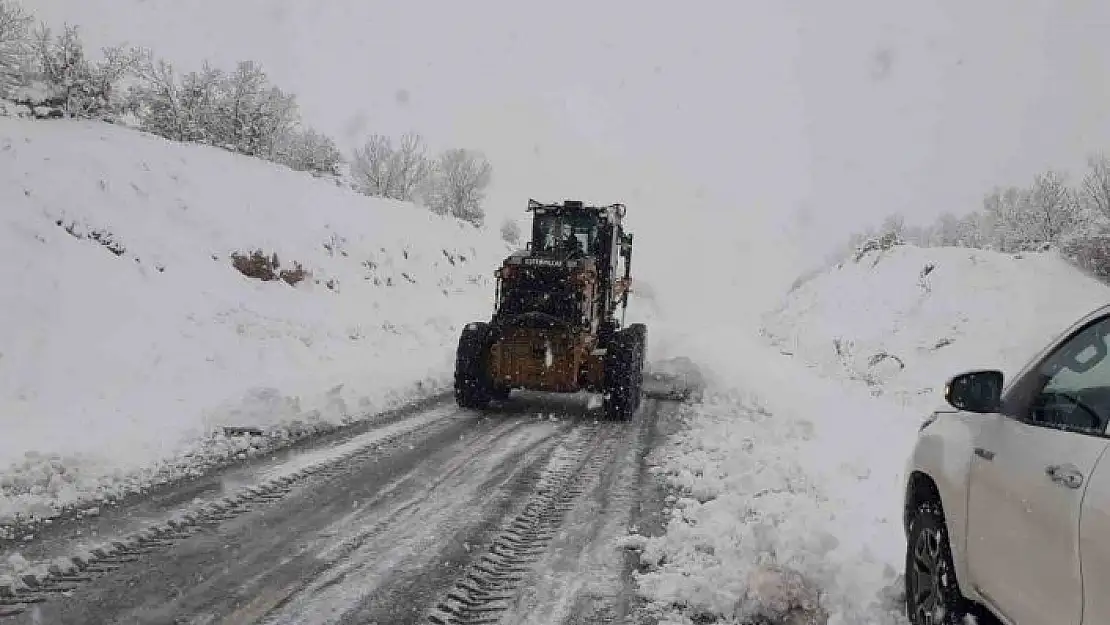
128,337
905,319
787,476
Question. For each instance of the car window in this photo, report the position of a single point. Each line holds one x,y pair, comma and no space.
1075,383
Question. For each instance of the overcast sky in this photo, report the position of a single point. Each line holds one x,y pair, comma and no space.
757,112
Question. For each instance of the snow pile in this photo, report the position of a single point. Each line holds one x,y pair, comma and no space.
790,468
129,336
779,474
905,319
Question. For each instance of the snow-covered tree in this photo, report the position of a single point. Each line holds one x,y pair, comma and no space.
381,170
240,111
201,94
894,225
1094,192
14,22
409,167
510,231
370,166
1053,210
946,232
182,110
1007,210
304,149
973,230
253,115
77,86
458,185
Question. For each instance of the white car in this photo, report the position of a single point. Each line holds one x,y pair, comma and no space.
1007,498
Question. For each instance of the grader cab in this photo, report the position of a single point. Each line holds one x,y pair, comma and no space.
555,326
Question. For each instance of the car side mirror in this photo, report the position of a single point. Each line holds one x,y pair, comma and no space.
975,391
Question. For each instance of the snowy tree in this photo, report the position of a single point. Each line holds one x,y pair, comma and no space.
1094,193
894,225
250,116
1007,210
78,86
14,22
235,125
190,108
370,166
510,231
458,185
1053,210
181,112
157,100
380,170
973,230
201,94
304,149
944,232
409,167
240,111
1049,211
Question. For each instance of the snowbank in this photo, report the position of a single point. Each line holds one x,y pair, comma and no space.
127,336
777,470
790,468
904,319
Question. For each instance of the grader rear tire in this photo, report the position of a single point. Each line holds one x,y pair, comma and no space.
624,372
473,388
637,333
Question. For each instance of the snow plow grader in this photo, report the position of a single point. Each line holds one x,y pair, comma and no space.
555,327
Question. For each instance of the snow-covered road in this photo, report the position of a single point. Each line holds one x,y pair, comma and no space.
439,514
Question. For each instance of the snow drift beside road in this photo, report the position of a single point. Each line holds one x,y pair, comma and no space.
905,319
793,461
127,336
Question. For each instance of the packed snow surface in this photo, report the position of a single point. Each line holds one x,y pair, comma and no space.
787,475
129,339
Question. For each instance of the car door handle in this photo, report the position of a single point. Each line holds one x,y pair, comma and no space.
985,454
1065,475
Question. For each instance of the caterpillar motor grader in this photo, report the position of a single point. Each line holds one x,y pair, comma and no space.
555,327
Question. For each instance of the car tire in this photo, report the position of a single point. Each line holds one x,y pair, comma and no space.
933,596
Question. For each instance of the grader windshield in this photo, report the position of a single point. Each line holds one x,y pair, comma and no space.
564,234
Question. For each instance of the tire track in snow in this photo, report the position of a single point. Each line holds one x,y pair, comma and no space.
380,555
388,532
489,583
64,537
68,568
585,576
557,559
168,491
